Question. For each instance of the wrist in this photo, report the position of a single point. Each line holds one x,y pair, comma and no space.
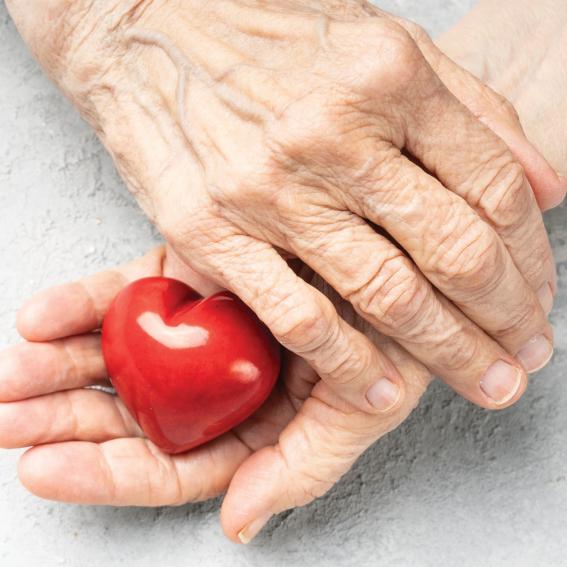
517,47
502,43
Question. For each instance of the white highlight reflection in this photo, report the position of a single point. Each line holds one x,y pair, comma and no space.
181,336
245,370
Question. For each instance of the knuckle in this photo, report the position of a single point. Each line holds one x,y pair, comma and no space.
311,482
394,296
183,225
312,487
294,148
417,32
459,351
162,486
394,65
473,266
346,364
472,261
400,42
302,327
400,59
522,318
505,107
537,256
505,199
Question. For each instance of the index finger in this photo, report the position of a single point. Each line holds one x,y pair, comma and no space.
79,307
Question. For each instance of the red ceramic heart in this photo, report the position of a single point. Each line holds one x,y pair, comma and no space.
187,368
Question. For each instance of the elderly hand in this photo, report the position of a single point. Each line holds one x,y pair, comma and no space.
249,130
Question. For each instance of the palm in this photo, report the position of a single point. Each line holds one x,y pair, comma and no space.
87,448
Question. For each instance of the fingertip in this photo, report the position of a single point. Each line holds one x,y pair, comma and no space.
249,502
33,469
29,318
56,313
66,472
557,198
551,197
549,187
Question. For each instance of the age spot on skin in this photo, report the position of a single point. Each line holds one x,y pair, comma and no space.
178,337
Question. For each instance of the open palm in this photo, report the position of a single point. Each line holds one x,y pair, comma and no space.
86,448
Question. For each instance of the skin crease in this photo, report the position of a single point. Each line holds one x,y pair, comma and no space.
283,126
311,453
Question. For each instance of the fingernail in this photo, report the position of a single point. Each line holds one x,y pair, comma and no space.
383,395
247,534
536,353
501,382
545,296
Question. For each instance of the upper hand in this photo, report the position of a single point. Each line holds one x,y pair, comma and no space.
247,131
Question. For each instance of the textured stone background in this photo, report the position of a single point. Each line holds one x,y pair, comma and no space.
454,485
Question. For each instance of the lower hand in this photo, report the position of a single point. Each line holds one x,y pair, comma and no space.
86,448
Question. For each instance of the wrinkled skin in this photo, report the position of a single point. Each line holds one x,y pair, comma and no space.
246,129
293,450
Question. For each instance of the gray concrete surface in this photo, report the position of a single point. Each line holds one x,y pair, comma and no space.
454,486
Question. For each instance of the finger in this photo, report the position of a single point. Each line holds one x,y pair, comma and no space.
130,472
463,257
385,288
35,369
495,112
81,415
305,322
313,452
469,159
134,472
79,307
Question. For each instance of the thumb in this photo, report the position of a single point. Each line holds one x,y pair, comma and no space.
313,452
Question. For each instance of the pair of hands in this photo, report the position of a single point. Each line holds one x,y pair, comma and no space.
306,436
256,130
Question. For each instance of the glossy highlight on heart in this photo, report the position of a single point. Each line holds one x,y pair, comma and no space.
187,368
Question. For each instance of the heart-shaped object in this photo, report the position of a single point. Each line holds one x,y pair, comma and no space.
187,368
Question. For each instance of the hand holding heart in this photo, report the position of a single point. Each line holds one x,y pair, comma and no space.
87,448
